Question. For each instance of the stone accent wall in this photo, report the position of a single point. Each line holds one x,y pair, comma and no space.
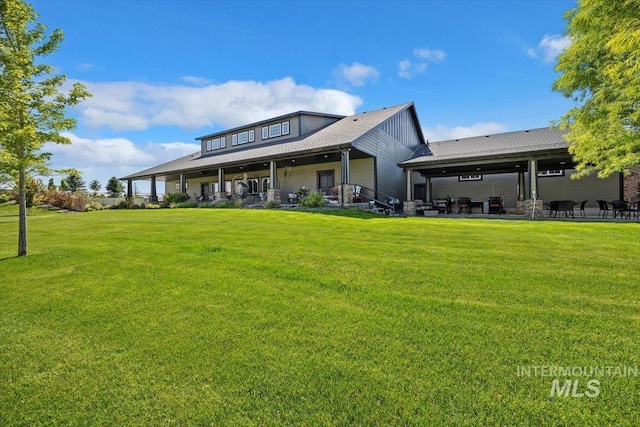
409,208
274,194
632,185
345,193
524,207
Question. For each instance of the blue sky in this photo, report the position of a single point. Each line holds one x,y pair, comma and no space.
165,72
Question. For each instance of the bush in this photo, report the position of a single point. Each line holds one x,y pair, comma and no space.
152,206
175,198
122,205
187,204
223,204
239,203
272,204
313,200
93,206
204,205
5,197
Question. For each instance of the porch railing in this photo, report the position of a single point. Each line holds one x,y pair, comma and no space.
381,200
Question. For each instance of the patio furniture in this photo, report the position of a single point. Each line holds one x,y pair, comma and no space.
553,208
582,205
443,205
464,203
604,209
620,207
292,198
566,206
495,205
357,198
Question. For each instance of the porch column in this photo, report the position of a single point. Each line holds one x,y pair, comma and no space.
183,184
409,185
427,190
273,194
154,194
221,193
345,172
533,179
273,174
521,186
129,189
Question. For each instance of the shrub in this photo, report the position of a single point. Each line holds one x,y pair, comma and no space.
175,198
223,204
313,200
93,206
272,204
152,206
5,197
122,205
187,204
204,205
239,203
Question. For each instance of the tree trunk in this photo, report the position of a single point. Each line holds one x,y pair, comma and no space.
22,221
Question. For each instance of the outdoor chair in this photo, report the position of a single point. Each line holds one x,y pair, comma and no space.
566,206
495,205
443,206
464,203
553,208
357,198
604,209
582,205
292,198
620,207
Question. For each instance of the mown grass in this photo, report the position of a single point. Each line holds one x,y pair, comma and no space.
255,317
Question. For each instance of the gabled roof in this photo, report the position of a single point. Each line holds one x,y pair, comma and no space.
340,134
491,146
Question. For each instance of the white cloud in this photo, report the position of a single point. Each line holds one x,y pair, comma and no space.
195,80
138,106
549,48
443,133
103,158
422,57
430,55
356,74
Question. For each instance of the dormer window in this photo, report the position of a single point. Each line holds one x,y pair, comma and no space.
275,130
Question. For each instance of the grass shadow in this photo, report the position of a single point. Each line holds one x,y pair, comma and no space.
345,213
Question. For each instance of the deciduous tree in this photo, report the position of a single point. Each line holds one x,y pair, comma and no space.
32,108
601,73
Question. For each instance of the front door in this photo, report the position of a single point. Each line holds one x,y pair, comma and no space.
325,181
204,190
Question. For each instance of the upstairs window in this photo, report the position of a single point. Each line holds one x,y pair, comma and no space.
275,130
285,128
265,132
243,138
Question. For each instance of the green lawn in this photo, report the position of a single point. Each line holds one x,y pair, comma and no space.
255,317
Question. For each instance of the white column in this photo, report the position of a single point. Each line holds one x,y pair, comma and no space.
409,185
533,179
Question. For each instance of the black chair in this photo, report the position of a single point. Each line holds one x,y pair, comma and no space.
566,206
464,203
553,208
620,207
604,209
582,205
495,205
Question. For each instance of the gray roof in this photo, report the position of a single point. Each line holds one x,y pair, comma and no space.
337,135
492,146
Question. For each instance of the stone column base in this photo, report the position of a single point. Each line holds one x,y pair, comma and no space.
273,194
345,193
524,207
409,208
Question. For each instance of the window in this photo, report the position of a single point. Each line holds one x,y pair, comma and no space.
227,187
252,135
234,139
215,144
285,128
265,132
243,138
470,178
553,172
253,185
208,145
214,187
177,186
265,184
275,130
223,142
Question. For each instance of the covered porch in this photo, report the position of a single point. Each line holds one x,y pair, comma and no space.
281,179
